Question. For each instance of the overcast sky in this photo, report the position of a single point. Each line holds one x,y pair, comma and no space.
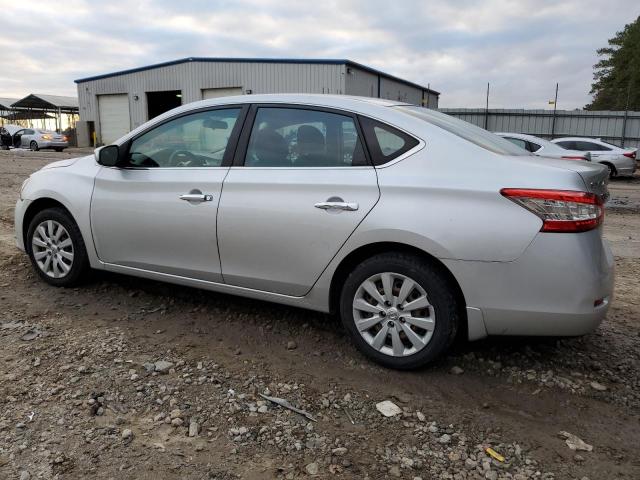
521,47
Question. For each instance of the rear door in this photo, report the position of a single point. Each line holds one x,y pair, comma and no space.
300,185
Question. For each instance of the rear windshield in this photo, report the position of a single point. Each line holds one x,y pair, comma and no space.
466,130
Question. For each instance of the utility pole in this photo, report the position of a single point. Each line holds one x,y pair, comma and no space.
486,110
626,114
553,121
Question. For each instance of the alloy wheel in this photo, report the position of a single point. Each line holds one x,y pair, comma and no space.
52,249
393,314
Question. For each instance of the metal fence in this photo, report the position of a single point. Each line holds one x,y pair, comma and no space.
619,128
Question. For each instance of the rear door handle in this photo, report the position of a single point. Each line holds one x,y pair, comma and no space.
349,206
196,197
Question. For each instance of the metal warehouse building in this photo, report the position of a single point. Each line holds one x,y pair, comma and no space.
115,103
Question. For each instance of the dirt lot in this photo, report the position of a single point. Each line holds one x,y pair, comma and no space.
86,390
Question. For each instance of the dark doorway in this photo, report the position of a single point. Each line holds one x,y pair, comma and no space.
160,102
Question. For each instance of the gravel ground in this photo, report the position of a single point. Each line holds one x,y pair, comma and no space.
132,379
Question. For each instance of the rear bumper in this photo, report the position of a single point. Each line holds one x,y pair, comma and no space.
551,290
52,144
625,166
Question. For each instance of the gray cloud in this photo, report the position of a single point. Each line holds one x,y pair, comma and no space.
522,47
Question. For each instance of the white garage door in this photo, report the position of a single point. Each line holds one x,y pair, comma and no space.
220,92
114,117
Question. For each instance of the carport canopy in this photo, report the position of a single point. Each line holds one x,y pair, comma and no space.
5,103
25,115
41,102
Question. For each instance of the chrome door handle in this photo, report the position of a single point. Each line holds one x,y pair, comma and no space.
349,206
196,197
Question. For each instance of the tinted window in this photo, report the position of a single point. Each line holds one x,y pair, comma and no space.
567,144
384,141
290,137
196,140
588,146
534,147
465,130
517,141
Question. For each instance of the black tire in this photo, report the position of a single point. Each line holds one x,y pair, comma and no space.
80,264
440,293
58,149
613,173
33,146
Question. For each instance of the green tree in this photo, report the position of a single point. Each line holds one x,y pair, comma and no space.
617,74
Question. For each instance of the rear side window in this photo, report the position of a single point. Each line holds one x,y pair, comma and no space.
568,144
588,146
294,138
385,142
534,147
517,141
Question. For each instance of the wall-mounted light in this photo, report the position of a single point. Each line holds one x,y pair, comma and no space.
179,95
136,98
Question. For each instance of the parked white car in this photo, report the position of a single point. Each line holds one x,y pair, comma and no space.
619,161
543,148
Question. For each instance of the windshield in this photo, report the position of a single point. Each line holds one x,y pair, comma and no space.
465,130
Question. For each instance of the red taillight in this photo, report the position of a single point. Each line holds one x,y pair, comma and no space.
570,157
562,211
630,154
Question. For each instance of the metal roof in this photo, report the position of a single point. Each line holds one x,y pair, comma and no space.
5,103
307,61
43,102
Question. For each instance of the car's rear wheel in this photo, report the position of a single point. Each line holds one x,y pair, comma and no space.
56,248
33,146
612,170
399,310
58,149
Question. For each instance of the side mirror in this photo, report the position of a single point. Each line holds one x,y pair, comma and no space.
108,156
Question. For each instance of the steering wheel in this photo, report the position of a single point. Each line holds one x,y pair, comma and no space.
184,158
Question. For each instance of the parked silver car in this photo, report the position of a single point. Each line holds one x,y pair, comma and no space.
619,161
543,148
35,139
412,225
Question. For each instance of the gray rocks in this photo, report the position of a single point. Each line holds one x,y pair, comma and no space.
291,345
194,428
312,468
162,366
127,435
456,370
445,439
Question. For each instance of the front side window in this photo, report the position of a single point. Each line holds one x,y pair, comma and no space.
290,137
196,140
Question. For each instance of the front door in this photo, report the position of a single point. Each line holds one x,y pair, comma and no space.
158,212
303,187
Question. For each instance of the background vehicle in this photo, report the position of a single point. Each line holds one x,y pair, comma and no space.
619,161
35,139
545,148
412,225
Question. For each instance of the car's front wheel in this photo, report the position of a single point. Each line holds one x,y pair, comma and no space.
400,310
56,248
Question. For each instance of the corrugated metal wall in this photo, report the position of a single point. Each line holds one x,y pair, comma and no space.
607,125
364,83
192,77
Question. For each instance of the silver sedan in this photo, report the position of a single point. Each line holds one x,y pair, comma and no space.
35,139
413,226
